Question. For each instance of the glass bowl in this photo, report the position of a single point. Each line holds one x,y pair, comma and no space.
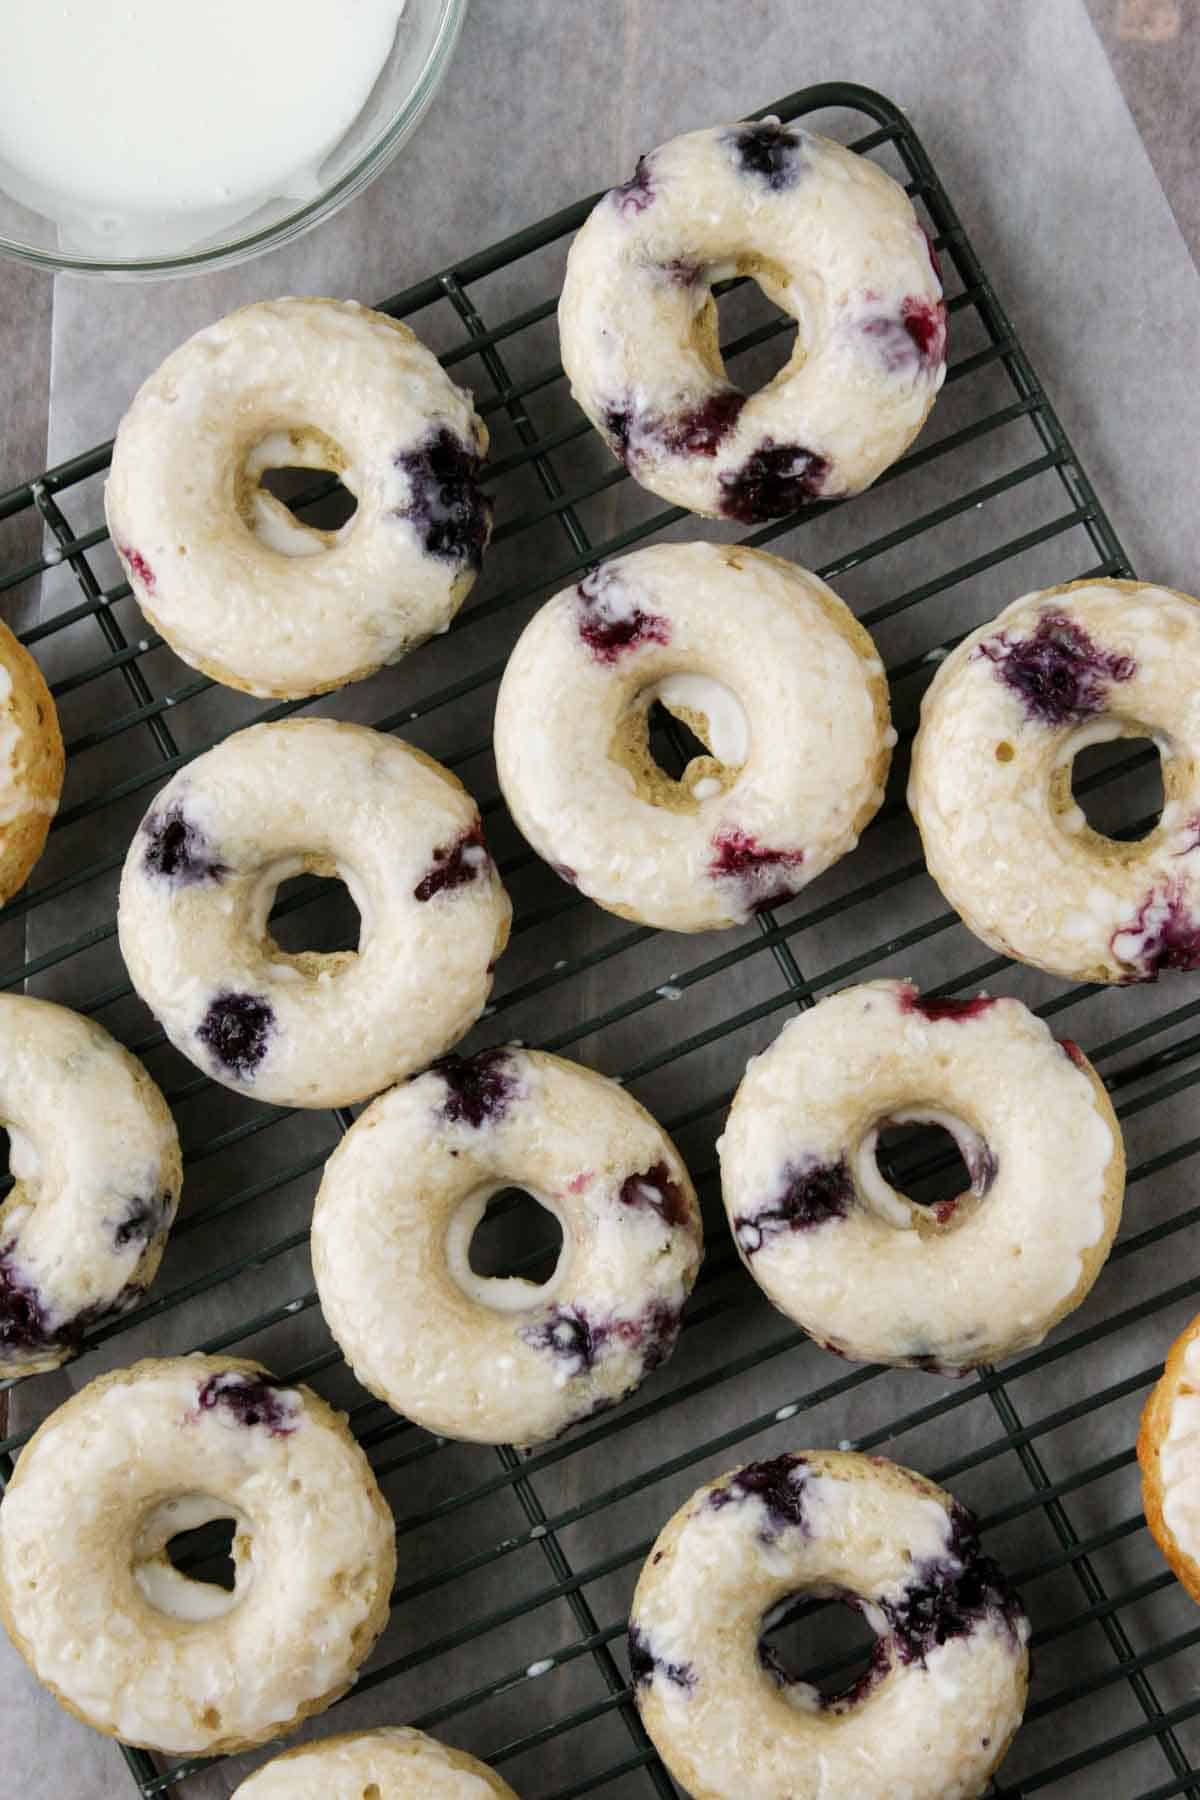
425,40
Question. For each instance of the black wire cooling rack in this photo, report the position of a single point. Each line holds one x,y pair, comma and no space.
516,1569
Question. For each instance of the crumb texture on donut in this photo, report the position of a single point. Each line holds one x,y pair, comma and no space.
32,763
390,1763
144,1652
320,797
943,1694
239,586
867,1271
96,1182
1169,1455
766,666
990,789
832,240
508,1359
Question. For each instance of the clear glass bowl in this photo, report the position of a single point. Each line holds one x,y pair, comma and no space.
420,56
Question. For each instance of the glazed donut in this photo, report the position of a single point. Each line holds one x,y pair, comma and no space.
129,1643
96,1178
991,780
1168,1450
391,1763
833,241
504,1360
935,1711
31,763
865,1270
331,799
230,577
765,664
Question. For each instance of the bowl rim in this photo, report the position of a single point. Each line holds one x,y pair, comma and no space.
303,218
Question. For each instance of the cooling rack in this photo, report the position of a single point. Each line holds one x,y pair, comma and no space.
516,1569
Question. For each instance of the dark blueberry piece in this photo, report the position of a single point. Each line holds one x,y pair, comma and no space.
252,1400
656,1188
23,1325
774,479
644,1664
568,1334
177,850
237,1029
812,1193
948,1008
139,567
681,271
779,1484
1071,1049
635,195
951,1595
655,1332
702,430
1164,934
925,323
1057,671
610,620
479,1088
618,424
452,514
141,1221
760,871
454,865
769,151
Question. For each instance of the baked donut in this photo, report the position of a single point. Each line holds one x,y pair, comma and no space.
316,796
937,1707
391,1763
865,1270
31,763
504,1360
1003,719
1168,1450
140,1650
833,241
96,1178
237,585
766,666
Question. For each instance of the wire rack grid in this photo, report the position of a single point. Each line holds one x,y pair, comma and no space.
516,1568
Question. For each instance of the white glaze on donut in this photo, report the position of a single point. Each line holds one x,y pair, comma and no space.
945,1690
769,668
223,569
990,790
312,1029
865,1270
85,1520
96,1180
31,763
833,241
391,1763
504,1360
1169,1454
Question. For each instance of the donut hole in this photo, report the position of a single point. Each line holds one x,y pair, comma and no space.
205,1553
924,1162
684,740
315,914
755,334
517,1235
1118,781
826,1643
316,499
673,744
290,492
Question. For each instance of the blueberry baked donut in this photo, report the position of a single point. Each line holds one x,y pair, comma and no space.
31,763
504,1360
861,1267
96,1178
391,1763
1168,1450
237,585
833,241
935,1711
1003,719
766,666
134,1646
316,796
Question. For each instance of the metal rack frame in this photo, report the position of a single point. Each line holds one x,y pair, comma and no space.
1147,1065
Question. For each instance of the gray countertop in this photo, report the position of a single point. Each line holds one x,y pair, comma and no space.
1066,137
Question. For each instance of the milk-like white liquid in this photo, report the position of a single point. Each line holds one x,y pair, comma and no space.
129,120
